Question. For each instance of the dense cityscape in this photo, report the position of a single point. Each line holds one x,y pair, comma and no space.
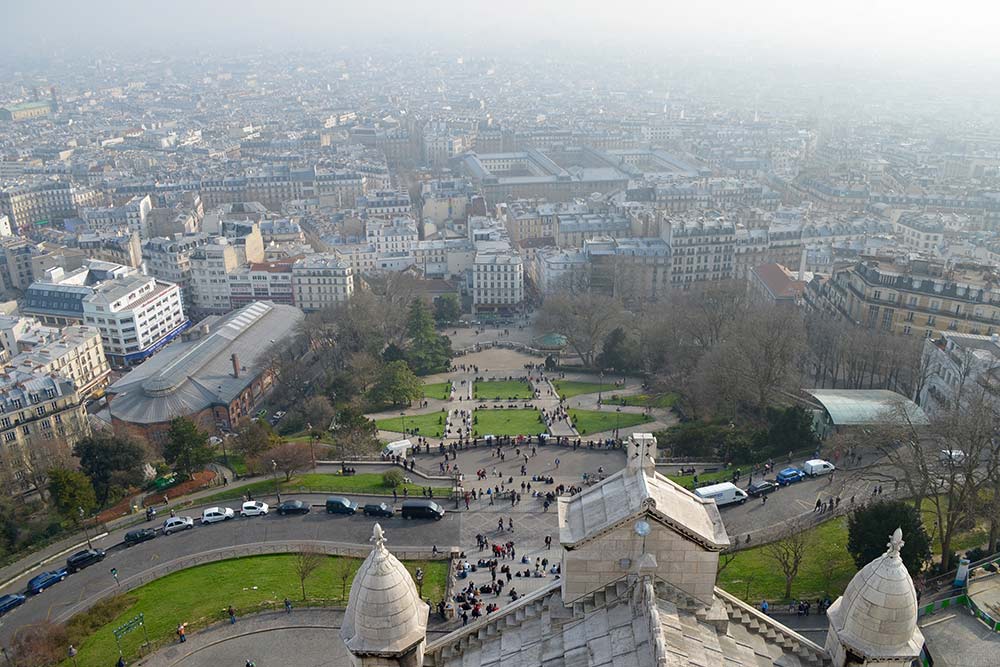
502,353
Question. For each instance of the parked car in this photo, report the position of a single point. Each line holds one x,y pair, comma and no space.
214,514
723,493
761,488
340,505
790,476
8,602
421,509
85,558
279,414
177,523
254,508
379,509
215,440
954,456
138,535
40,582
293,507
816,467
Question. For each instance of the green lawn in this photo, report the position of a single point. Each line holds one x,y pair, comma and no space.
569,388
826,569
428,425
595,421
248,584
362,483
507,422
234,461
438,390
687,481
646,400
505,390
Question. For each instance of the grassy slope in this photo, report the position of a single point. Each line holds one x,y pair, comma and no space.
504,389
507,422
588,422
247,584
427,425
569,388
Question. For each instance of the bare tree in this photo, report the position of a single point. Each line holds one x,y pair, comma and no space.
290,457
584,319
343,571
305,563
788,553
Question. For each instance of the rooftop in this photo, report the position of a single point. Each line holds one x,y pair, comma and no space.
860,407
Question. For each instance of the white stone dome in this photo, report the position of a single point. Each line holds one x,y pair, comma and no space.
877,615
385,615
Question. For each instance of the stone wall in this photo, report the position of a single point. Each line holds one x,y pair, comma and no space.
682,563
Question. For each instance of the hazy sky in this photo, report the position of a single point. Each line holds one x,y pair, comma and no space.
879,32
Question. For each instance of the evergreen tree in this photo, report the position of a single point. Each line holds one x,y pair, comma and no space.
869,528
187,448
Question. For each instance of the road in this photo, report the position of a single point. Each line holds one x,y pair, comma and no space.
316,525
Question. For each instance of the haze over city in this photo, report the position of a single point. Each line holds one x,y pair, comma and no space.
520,334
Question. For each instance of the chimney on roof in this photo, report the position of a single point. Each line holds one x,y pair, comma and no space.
236,365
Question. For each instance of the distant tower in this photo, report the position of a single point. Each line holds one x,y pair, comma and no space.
875,621
53,99
385,624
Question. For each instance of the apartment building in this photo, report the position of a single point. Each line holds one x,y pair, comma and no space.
41,418
497,280
919,232
918,297
136,315
74,352
703,249
444,258
572,229
57,297
16,268
211,265
169,259
392,236
445,199
957,368
320,281
133,216
41,202
384,204
262,281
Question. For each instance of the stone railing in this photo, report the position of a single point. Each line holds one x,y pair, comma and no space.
245,551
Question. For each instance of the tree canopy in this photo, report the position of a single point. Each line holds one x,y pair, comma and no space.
110,460
187,448
426,352
71,491
869,528
447,308
395,385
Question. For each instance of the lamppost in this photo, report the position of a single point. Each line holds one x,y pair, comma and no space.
114,573
618,419
85,531
313,438
403,415
274,474
600,390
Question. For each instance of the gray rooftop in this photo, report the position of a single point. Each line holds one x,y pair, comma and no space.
189,376
859,407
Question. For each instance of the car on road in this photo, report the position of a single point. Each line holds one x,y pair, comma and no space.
254,508
340,505
293,507
40,582
761,488
85,558
790,475
279,414
215,440
379,509
817,467
138,535
723,493
214,514
177,523
8,602
421,509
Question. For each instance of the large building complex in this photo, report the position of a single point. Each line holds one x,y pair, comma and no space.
216,377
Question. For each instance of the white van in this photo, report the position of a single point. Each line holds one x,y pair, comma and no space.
954,456
816,467
725,493
397,448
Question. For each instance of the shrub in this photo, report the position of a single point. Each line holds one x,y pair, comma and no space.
392,478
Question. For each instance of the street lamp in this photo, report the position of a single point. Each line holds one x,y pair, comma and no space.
600,390
85,531
618,419
403,415
114,573
274,474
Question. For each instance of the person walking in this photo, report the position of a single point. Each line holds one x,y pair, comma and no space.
182,632
510,524
288,606
764,607
232,615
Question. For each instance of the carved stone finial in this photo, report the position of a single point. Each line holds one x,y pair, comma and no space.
378,537
895,543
